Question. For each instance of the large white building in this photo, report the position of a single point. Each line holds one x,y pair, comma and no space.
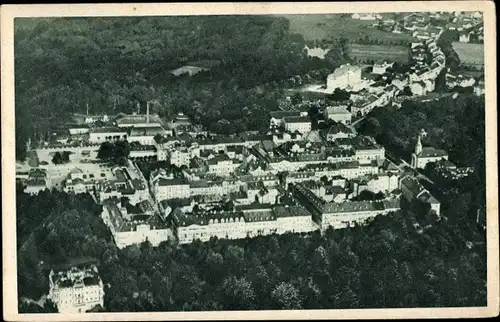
380,69
338,114
76,290
145,135
79,182
165,186
222,165
375,183
341,215
344,76
344,214
277,117
134,228
107,134
36,181
301,124
252,221
126,182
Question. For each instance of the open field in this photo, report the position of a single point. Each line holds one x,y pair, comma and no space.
379,53
332,26
470,54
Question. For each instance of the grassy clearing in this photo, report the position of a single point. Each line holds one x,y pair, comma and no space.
332,26
470,54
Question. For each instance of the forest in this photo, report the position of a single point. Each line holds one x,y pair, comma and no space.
403,259
112,64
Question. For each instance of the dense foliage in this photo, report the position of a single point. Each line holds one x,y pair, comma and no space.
399,260
55,228
113,64
445,42
455,125
116,152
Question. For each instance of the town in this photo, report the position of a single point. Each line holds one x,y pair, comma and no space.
160,180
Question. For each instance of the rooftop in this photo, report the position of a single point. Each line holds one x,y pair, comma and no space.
297,119
282,114
147,131
344,69
337,109
428,152
109,129
292,211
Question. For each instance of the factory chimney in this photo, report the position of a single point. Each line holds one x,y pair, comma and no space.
147,112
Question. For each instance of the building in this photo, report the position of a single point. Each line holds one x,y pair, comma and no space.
139,151
78,181
423,155
379,69
339,114
37,181
107,134
91,119
133,228
367,150
250,221
412,190
204,225
258,191
301,124
344,76
180,157
165,186
375,183
76,290
464,37
127,181
293,219
349,213
219,187
348,170
339,131
145,134
341,215
366,16
222,165
138,120
277,117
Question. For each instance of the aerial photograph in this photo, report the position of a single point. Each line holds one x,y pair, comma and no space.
250,162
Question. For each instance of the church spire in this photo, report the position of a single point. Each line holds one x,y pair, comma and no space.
418,146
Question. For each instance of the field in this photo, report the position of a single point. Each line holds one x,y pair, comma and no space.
379,53
470,54
332,26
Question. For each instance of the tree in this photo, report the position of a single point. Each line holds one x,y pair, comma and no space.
286,296
57,159
65,156
105,151
238,293
296,98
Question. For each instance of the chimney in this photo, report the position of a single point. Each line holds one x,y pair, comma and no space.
147,112
87,109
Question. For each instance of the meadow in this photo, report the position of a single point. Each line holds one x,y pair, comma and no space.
378,53
470,54
334,26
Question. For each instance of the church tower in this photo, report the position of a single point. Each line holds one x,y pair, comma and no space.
418,146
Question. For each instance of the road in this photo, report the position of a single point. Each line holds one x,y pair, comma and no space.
403,166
